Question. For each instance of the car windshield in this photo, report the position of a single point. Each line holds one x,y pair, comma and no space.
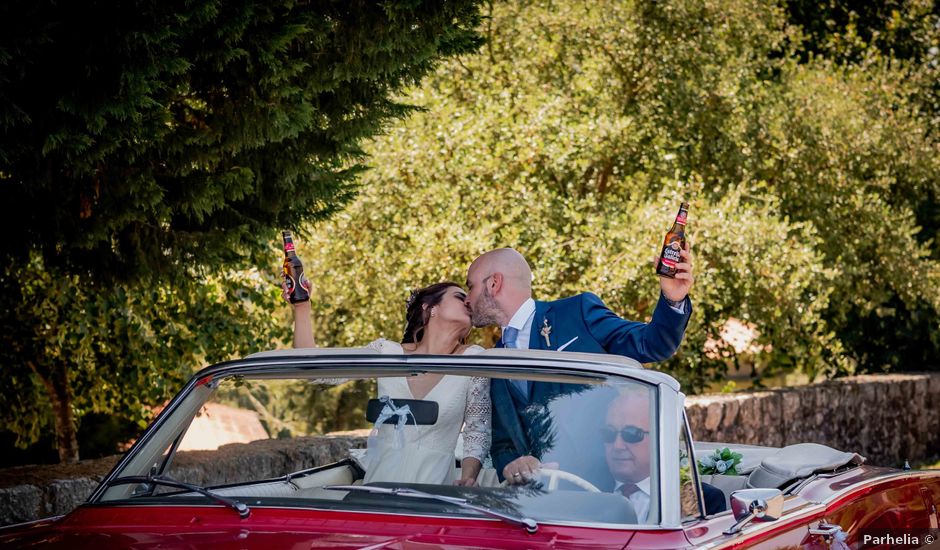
295,437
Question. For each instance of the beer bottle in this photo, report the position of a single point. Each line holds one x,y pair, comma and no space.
675,241
298,287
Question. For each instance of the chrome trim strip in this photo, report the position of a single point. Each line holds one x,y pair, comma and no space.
669,485
12,526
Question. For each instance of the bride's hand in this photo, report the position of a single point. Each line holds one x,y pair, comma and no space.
466,482
286,295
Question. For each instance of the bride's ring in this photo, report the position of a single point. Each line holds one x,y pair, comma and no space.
517,474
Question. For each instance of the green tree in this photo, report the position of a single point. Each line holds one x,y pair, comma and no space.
145,145
73,347
897,331
145,136
574,134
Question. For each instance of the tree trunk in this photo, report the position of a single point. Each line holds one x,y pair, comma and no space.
57,385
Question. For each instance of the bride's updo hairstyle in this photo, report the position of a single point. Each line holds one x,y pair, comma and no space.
418,309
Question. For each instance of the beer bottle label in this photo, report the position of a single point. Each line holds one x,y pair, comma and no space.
680,219
670,256
304,283
289,281
288,247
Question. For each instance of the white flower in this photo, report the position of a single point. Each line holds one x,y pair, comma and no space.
708,461
721,466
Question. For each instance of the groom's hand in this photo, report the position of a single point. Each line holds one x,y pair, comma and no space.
677,289
524,469
521,470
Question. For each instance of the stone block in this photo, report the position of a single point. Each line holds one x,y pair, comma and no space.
20,503
64,495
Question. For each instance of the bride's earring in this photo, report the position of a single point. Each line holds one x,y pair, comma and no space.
433,312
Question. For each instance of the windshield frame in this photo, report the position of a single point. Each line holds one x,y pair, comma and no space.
514,363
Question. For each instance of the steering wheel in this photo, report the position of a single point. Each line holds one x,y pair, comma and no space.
554,476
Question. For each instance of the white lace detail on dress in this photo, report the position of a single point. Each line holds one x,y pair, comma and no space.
477,419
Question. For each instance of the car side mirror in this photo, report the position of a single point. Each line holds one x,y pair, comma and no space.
749,505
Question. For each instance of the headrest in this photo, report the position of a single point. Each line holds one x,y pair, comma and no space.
799,461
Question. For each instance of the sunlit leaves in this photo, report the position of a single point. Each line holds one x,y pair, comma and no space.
573,135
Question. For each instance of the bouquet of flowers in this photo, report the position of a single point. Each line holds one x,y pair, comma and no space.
722,461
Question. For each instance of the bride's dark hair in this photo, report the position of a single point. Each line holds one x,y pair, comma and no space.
418,309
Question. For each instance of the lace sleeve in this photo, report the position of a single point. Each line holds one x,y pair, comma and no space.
477,421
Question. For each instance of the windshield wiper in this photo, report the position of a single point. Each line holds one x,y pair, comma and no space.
530,525
239,507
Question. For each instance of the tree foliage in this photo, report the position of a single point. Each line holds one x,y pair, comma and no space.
140,136
74,347
150,151
576,131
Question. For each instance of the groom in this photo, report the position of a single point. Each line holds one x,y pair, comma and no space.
499,284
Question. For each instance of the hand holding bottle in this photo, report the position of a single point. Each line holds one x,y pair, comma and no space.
295,287
674,264
678,287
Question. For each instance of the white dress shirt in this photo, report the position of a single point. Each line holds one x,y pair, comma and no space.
639,499
522,321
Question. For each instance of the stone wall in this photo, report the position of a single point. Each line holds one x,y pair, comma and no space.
33,492
886,418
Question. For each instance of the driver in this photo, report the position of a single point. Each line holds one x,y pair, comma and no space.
627,451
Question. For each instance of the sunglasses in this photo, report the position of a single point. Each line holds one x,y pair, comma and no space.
630,434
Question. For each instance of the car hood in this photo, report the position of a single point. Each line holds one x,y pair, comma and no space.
141,527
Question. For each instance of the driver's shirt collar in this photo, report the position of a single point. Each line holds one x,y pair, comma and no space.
641,485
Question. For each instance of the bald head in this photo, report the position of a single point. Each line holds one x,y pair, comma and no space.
510,263
498,282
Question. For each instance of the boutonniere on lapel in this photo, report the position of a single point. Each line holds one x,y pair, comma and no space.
546,333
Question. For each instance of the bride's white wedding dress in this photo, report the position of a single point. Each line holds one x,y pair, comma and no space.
425,454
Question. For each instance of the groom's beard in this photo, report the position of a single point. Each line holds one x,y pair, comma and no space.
486,311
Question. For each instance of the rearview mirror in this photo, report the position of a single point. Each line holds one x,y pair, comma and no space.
755,505
412,411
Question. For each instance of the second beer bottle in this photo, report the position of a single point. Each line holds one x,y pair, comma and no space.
674,243
298,288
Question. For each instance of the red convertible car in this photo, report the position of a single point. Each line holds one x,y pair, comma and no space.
620,470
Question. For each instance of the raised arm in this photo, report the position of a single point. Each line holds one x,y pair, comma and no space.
645,342
303,321
303,326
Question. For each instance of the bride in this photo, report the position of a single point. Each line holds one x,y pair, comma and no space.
438,322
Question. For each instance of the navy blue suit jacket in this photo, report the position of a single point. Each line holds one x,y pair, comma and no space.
598,330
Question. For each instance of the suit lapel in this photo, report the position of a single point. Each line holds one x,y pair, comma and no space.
543,312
